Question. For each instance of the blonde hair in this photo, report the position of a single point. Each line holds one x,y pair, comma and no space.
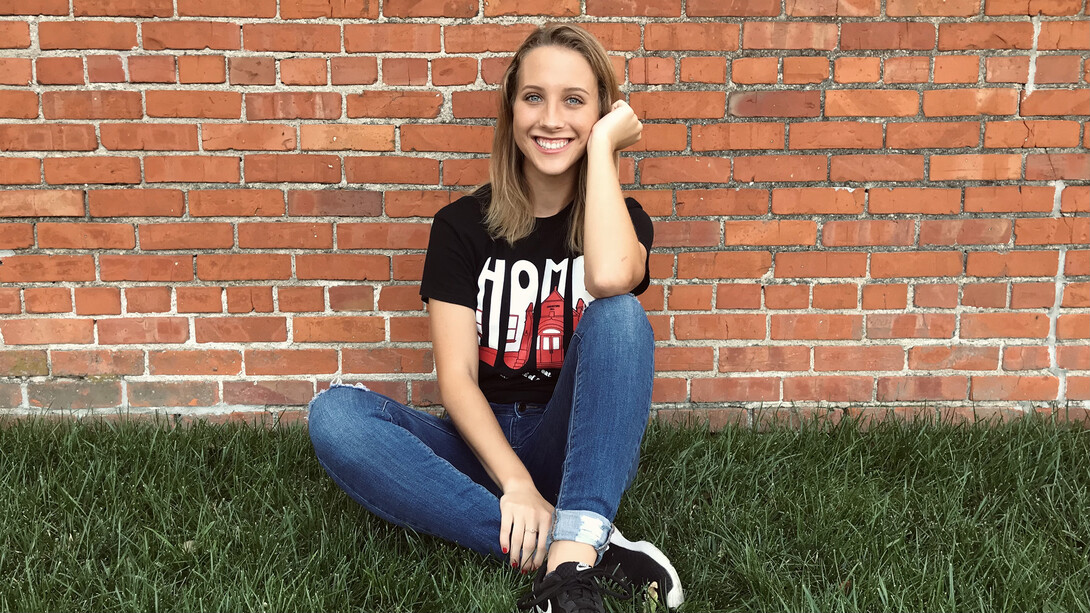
510,213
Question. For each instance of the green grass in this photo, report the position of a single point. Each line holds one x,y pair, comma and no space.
103,517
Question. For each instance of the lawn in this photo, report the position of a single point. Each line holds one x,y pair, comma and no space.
133,517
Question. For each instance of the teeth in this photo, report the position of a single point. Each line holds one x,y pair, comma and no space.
552,144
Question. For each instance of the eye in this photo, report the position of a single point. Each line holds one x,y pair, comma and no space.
574,100
532,98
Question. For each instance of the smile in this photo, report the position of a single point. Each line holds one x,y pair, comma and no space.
552,144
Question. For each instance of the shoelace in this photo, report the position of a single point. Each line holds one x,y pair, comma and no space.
582,587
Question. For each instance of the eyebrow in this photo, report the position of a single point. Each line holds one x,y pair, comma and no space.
566,89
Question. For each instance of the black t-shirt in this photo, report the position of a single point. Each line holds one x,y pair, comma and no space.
528,298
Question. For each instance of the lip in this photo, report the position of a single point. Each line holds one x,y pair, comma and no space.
551,151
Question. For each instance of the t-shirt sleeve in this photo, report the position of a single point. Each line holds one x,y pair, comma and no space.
645,233
449,273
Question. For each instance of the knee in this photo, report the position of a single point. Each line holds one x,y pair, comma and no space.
338,411
620,318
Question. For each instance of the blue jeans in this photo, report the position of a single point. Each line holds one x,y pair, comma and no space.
581,448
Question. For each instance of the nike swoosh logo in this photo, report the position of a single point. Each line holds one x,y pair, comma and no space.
548,609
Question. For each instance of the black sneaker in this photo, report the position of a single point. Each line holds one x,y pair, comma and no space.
573,588
643,564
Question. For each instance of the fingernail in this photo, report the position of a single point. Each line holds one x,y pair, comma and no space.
524,571
505,550
514,564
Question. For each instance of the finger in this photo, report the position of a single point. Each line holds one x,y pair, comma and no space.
539,555
505,530
616,105
518,535
529,547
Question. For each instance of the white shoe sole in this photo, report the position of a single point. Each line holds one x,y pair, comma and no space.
676,595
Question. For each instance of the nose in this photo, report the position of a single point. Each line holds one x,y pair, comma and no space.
552,117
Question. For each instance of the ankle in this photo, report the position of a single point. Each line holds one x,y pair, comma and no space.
570,551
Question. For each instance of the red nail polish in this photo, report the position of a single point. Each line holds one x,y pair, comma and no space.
505,550
514,564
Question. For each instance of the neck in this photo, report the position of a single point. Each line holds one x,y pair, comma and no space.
549,193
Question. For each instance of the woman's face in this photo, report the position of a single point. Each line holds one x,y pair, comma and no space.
555,107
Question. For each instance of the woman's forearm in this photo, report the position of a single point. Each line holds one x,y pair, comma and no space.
477,424
613,256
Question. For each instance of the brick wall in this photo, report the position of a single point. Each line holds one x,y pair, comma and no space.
221,206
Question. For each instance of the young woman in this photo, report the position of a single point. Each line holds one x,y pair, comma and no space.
544,358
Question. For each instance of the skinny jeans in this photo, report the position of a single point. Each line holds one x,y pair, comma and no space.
581,448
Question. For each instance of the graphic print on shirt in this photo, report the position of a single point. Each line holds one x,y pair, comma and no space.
526,314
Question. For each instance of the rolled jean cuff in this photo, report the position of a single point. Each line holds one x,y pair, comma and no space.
582,527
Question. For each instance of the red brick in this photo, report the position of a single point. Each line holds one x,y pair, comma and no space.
334,9
634,8
984,295
252,70
392,38
99,169
1052,231
97,363
885,296
916,264
187,235
242,299
196,169
354,70
835,296
1031,7
868,232
1006,69
296,37
965,232
74,395
562,8
296,168
910,325
913,69
1020,387
60,70
952,102
687,169
955,69
695,327
985,35
1058,69
817,201
194,35
723,265
343,266
86,236
291,362
651,70
390,169
787,35
1004,325
429,8
690,298
236,202
1032,295
237,267
48,300
394,104
834,135
736,389
149,137
775,232
201,69
975,167
203,362
1073,325
1013,264
871,102
936,295
105,69
241,136
1077,263
253,329
749,70
687,233
91,105
1073,357
86,35
1008,198
147,299
892,389
199,299
929,135
834,359
930,358
1056,102
453,138
482,38
828,388
46,137
696,69
758,359
716,37
204,104
732,8
729,136
820,264
149,330
898,35
842,8
781,168
817,326
1053,166
775,104
1031,133
787,296
293,105
737,296
722,202
876,168
857,69
1064,35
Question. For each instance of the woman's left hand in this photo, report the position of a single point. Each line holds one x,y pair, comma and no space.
620,127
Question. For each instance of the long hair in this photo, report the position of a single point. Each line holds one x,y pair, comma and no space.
510,212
